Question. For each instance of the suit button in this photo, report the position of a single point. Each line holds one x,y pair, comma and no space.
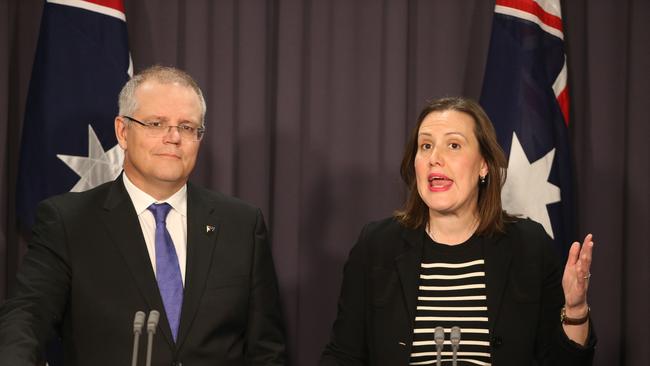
496,342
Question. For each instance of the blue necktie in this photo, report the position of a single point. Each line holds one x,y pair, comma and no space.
168,271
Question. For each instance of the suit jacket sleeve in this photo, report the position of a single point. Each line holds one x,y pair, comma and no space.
31,316
265,335
553,346
348,344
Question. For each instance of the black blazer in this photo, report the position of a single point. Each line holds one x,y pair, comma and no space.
376,308
87,272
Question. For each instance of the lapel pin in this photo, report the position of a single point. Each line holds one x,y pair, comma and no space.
209,229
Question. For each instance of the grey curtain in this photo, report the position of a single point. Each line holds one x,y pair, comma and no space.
309,105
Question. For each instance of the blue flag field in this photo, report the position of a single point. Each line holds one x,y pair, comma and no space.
525,95
68,140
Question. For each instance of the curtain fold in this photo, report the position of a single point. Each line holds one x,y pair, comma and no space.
309,106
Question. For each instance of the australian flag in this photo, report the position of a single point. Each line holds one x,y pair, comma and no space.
525,94
68,139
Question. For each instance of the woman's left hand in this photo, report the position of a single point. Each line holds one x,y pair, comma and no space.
575,280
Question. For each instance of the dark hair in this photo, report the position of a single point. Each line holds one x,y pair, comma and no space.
415,213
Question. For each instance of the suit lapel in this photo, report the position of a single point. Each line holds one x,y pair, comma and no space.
124,229
408,267
202,232
498,255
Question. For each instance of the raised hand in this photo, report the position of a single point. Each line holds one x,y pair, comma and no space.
575,280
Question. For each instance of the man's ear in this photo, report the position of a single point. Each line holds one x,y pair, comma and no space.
121,130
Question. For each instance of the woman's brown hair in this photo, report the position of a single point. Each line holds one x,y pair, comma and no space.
415,213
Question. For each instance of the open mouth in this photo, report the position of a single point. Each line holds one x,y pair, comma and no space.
439,182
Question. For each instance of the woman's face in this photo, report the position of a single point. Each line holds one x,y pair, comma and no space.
448,163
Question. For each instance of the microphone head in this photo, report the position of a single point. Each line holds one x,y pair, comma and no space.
152,321
138,322
439,336
455,335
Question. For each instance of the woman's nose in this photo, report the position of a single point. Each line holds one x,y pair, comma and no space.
436,157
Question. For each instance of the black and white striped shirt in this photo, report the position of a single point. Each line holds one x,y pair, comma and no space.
452,293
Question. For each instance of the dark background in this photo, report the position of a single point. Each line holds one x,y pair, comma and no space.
309,105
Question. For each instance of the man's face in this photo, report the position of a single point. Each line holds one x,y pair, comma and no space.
160,165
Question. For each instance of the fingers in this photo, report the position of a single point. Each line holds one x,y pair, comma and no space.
574,254
586,251
583,264
577,271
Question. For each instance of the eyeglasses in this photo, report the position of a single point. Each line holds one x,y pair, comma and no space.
160,129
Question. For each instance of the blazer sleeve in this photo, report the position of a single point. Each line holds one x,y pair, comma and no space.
553,346
265,333
30,317
348,345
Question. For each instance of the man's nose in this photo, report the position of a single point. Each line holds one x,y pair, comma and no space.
173,134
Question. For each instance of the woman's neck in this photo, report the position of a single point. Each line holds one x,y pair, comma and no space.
451,229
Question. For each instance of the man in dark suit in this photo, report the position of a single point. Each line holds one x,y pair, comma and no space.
148,240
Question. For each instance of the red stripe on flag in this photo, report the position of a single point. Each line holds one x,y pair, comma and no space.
563,101
532,7
113,4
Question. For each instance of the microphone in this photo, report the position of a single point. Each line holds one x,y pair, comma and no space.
152,323
138,323
439,338
455,342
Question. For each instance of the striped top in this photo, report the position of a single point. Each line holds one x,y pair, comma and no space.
452,293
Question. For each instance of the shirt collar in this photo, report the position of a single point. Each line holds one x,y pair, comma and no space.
142,200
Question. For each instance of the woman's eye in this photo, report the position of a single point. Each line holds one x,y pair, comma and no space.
454,146
425,146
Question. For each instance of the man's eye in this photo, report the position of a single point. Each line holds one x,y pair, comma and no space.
186,128
155,124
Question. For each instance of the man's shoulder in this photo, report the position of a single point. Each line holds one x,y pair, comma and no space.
74,206
92,195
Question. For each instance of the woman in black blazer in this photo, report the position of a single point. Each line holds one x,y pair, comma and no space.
453,265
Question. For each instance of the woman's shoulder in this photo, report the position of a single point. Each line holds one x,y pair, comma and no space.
526,227
381,233
528,236
381,241
383,225
388,228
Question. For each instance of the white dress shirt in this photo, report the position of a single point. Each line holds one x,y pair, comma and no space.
176,221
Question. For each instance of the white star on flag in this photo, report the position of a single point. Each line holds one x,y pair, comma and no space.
527,190
98,167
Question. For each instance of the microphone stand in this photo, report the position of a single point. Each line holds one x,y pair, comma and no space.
138,323
152,323
439,338
455,343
